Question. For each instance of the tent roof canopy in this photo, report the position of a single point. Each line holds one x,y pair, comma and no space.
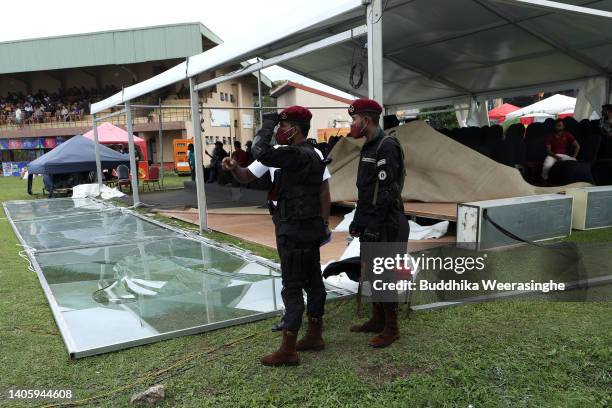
502,110
77,154
109,133
435,51
552,105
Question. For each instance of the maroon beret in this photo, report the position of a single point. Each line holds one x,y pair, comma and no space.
365,105
296,114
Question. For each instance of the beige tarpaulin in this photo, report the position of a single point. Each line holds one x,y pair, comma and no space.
438,169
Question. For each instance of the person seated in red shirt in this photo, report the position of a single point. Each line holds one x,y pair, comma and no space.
557,147
239,155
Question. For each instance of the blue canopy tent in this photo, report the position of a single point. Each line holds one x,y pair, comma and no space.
77,155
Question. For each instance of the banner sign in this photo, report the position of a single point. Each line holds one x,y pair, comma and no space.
30,143
247,121
50,143
15,144
13,168
219,118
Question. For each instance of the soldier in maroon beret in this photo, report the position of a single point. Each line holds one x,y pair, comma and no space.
299,226
379,216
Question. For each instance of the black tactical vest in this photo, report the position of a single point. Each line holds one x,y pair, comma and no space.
299,190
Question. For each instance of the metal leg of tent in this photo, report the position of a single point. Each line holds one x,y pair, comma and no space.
198,150
161,144
97,149
133,166
260,97
374,17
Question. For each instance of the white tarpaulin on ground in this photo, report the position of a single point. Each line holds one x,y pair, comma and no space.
552,105
417,232
92,190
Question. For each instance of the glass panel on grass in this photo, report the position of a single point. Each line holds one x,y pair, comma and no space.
37,209
123,293
100,228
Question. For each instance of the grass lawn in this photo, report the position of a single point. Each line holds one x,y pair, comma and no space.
518,353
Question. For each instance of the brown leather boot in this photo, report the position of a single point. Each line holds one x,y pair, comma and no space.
376,323
312,340
391,331
286,354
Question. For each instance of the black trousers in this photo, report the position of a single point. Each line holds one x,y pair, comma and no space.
298,248
393,240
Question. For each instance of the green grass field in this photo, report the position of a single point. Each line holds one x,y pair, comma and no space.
519,353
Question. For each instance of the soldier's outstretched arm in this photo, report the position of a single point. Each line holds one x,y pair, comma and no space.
263,137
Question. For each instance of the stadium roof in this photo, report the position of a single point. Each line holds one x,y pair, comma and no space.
434,51
115,47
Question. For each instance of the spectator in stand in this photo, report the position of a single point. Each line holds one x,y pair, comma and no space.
19,117
28,111
64,114
558,147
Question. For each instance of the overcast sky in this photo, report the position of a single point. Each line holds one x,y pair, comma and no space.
229,19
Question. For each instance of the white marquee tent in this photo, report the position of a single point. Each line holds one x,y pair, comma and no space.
553,105
419,53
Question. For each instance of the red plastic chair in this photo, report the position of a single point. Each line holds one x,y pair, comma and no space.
152,178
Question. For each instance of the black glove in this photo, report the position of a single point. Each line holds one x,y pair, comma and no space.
354,229
270,120
370,234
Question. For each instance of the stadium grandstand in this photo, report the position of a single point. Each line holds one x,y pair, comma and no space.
46,88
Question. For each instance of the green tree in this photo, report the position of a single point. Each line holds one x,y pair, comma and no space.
446,119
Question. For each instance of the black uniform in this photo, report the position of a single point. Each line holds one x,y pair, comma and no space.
298,224
379,216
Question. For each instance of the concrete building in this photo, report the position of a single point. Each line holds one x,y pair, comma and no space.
98,64
291,93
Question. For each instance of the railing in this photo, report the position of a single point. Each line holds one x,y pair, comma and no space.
139,116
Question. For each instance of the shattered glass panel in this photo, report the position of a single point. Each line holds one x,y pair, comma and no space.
115,280
116,294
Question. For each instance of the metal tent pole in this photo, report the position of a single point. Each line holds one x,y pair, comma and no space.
260,97
374,16
198,149
97,150
133,166
161,144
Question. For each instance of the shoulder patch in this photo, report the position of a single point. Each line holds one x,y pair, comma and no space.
381,162
382,175
368,160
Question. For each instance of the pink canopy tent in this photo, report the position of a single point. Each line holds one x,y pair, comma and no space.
109,134
499,114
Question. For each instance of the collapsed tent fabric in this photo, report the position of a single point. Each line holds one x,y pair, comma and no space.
111,134
76,155
438,169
